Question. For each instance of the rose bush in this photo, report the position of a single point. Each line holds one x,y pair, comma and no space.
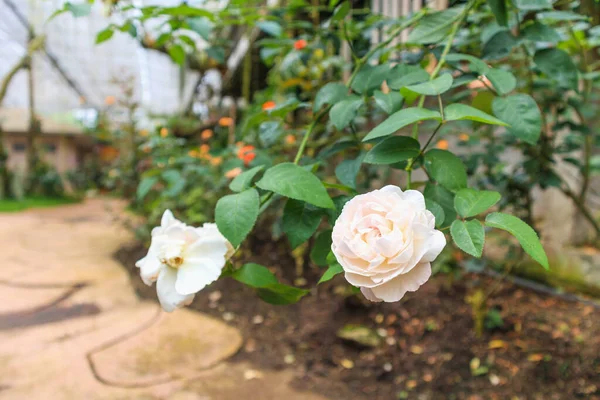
386,240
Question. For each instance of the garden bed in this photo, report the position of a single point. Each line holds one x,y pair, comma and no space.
547,348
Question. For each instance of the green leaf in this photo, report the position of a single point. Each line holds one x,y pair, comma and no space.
434,27
331,272
503,81
269,132
499,10
79,9
347,170
270,27
236,214
524,233
470,202
104,35
475,64
469,236
444,198
459,112
558,66
300,221
561,16
254,275
244,180
446,168
266,285
434,87
279,294
499,46
392,150
145,186
400,119
533,4
331,93
538,32
370,78
524,116
437,211
202,26
295,182
403,75
341,11
390,102
343,112
321,248
177,54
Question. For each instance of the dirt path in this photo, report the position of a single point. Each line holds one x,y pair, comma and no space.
71,326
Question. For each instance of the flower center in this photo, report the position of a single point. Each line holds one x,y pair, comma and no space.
174,262
172,255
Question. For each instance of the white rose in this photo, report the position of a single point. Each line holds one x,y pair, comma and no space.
183,260
385,240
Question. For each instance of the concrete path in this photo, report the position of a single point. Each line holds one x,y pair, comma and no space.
71,326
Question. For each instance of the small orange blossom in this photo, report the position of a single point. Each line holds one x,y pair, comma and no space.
232,173
206,134
442,144
226,121
300,44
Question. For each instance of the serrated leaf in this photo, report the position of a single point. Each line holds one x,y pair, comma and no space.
370,78
524,116
469,236
330,273
446,168
236,214
331,93
475,64
343,112
434,87
459,112
280,294
470,202
499,45
434,27
538,32
300,221
524,233
244,180
392,150
559,66
347,170
295,182
390,102
444,198
400,119
321,248
254,275
437,211
403,75
503,81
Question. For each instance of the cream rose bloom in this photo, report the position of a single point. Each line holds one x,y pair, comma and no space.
182,260
386,240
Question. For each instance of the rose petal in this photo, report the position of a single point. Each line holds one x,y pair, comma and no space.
396,288
435,245
368,293
149,268
167,295
194,274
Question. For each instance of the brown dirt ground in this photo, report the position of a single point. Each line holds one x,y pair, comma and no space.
548,348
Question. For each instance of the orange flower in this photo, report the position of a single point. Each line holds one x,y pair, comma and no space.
204,149
226,121
464,137
232,173
268,105
442,144
246,154
216,161
144,132
146,149
110,100
290,139
164,132
192,153
300,44
206,134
